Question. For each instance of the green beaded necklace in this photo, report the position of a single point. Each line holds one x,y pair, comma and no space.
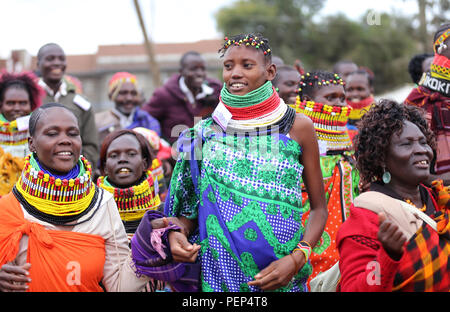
252,98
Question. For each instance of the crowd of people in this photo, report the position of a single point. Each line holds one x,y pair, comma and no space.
290,180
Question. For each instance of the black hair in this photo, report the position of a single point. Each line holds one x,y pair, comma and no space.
363,72
186,55
309,82
415,66
24,81
36,115
376,128
39,54
256,40
280,70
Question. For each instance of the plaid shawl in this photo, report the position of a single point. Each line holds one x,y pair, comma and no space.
426,266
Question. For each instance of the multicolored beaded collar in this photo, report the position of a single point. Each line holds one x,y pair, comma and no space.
10,134
134,201
440,67
330,123
53,196
360,108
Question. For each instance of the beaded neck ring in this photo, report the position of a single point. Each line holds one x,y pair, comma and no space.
330,123
10,134
134,201
50,198
256,41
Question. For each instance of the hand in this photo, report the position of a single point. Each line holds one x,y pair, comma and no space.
181,249
165,221
159,223
280,272
391,238
14,277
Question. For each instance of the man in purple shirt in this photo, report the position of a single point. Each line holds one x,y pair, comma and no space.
184,96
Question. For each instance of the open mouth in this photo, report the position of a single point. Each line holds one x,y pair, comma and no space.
56,71
123,171
64,155
237,86
422,163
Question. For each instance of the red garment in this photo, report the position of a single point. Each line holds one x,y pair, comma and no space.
170,106
358,246
365,266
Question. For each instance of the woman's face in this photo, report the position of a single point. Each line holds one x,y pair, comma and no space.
57,140
408,157
16,103
332,95
245,69
124,162
357,88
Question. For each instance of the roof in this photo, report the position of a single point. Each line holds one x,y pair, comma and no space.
133,56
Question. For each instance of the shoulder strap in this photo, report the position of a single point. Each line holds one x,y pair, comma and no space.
379,202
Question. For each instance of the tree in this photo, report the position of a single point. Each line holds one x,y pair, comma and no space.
320,42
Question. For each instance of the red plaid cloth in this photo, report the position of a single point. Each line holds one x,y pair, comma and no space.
425,266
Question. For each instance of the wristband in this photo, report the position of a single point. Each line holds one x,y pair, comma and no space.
304,247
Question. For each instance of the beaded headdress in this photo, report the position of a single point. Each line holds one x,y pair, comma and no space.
313,80
440,40
256,41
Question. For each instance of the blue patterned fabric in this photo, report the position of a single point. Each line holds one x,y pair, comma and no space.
246,193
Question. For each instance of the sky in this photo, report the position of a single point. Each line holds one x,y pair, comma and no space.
80,26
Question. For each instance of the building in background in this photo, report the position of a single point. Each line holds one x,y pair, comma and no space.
95,70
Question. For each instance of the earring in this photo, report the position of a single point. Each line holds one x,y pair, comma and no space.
441,48
386,177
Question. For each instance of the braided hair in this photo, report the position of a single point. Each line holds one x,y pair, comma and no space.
310,82
256,40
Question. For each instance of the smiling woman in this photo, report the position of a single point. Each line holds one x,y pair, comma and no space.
125,163
56,218
399,225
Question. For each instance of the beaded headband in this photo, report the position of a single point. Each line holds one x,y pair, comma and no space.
440,40
337,81
258,43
